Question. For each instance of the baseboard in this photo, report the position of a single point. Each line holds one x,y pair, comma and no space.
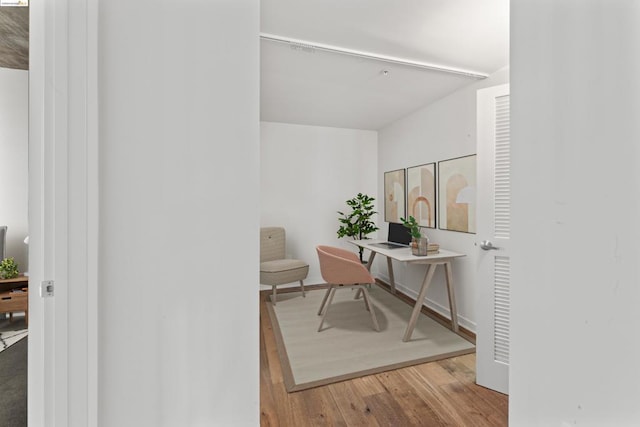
445,319
266,290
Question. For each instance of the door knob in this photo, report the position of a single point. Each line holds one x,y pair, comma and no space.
487,245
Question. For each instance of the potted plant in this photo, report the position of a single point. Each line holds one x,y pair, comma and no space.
358,223
419,243
8,269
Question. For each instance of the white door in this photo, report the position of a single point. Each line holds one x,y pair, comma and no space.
493,236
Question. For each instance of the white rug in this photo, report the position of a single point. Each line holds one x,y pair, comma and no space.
348,347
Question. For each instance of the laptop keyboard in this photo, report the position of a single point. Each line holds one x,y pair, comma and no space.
389,245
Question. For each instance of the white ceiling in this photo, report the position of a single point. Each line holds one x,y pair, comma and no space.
322,88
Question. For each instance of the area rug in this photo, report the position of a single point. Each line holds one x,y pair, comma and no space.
8,338
348,347
11,332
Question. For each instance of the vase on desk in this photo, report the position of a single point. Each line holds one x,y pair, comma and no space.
419,246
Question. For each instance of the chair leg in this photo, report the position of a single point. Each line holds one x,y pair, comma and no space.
273,297
368,285
302,286
324,300
367,305
371,310
333,291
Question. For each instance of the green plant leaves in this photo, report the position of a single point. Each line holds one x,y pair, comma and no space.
8,269
413,226
358,223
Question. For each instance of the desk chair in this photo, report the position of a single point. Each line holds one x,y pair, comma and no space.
342,269
275,269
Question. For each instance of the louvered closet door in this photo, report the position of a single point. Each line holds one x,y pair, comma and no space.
493,239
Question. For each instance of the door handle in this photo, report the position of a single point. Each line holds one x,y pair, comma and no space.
487,245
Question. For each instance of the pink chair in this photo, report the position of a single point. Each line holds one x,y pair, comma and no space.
342,269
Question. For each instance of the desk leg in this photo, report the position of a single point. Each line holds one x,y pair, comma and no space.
372,255
392,281
452,297
431,268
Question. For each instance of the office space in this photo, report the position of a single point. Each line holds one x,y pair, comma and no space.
547,40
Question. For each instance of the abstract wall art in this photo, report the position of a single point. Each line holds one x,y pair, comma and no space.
394,190
456,194
421,194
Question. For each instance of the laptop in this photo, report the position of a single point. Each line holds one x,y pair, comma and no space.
399,237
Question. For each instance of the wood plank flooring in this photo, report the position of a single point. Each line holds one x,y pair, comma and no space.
14,37
440,393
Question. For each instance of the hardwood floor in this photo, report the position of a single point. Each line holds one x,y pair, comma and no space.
440,393
14,37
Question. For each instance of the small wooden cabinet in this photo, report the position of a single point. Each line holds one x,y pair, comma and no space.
14,296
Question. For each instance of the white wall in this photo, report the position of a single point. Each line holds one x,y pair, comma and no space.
576,203
179,213
307,174
439,131
14,134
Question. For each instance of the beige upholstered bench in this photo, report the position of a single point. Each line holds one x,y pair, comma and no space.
275,269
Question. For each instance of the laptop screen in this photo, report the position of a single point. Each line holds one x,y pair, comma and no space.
398,233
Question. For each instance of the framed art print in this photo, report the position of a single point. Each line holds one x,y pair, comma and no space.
421,194
457,194
394,190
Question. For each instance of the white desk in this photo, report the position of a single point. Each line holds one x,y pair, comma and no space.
444,257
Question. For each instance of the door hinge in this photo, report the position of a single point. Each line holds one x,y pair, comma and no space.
46,288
